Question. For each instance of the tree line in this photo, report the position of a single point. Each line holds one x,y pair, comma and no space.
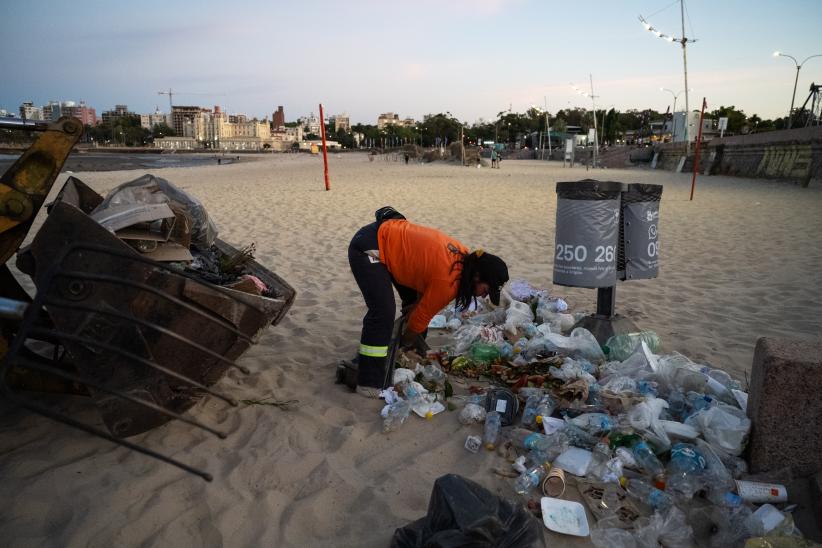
511,127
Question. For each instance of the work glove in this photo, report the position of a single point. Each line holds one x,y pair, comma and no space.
409,339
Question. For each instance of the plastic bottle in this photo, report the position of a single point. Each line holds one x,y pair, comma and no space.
594,395
396,415
594,423
493,420
579,437
549,447
506,350
623,439
648,494
483,352
685,469
432,372
622,346
598,468
647,461
529,413
545,408
529,479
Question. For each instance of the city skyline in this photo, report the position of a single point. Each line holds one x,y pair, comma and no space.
473,59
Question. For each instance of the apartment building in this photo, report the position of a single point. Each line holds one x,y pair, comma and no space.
31,112
119,111
149,121
341,122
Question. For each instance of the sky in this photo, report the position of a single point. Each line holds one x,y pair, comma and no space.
472,58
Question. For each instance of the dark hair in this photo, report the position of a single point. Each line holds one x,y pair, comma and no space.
470,270
484,267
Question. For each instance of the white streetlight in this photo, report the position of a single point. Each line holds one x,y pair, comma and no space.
683,41
798,66
594,113
673,123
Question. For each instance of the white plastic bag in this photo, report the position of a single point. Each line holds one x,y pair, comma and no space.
517,315
723,426
644,417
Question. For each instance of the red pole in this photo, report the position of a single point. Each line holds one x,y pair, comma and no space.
698,142
325,149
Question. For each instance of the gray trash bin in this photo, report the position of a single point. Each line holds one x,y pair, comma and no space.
638,257
586,245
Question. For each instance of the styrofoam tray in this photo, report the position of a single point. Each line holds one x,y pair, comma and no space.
564,516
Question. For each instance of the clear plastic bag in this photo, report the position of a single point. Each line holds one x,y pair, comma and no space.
613,538
149,189
472,413
580,343
571,370
723,426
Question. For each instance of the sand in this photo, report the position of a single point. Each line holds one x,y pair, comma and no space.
743,260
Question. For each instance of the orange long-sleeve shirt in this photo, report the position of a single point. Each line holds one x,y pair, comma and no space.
421,258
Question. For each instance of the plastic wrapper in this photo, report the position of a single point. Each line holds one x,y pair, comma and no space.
669,529
462,513
613,538
550,305
572,370
493,317
437,322
636,367
149,189
574,461
521,290
517,315
472,413
723,426
465,336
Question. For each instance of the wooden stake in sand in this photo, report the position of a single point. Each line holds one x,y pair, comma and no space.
325,149
698,142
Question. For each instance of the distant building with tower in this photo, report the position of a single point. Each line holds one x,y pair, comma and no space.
278,119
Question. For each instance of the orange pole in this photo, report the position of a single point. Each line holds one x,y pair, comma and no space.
698,142
325,148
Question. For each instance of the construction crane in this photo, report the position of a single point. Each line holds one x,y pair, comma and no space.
171,93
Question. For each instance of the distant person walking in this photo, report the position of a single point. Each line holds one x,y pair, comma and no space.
494,157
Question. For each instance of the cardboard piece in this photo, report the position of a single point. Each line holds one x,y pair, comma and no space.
169,251
120,216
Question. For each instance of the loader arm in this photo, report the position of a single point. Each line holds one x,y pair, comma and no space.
24,187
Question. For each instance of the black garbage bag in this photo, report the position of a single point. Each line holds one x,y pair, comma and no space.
465,514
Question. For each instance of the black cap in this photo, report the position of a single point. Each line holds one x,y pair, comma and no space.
493,271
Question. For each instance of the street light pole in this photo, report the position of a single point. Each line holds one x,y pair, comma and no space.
795,81
685,67
596,130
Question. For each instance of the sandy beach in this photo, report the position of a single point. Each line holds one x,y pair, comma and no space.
741,261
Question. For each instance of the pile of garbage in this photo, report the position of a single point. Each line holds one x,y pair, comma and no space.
651,440
166,224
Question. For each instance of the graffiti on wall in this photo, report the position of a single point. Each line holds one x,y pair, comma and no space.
789,161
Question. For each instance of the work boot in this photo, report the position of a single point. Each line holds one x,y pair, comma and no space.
371,372
368,392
